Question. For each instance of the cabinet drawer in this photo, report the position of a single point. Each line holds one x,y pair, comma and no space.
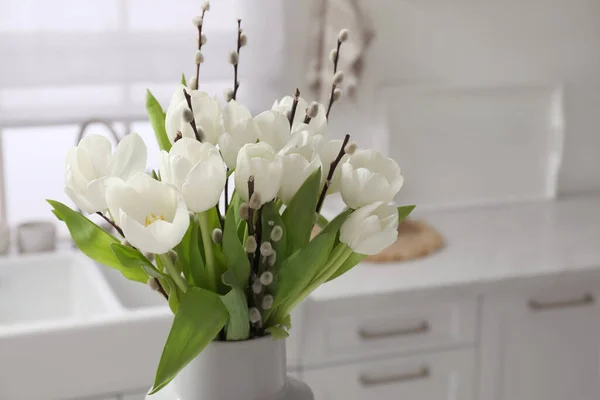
444,375
378,326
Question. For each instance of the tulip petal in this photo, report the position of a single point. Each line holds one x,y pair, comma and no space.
129,157
273,128
204,184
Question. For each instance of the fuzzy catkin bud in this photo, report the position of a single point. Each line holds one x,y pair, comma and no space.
337,94
125,242
217,236
244,211
276,233
266,249
255,201
206,6
187,115
200,132
203,39
199,57
234,58
313,110
257,286
243,40
350,148
228,95
333,55
153,284
267,302
197,21
272,259
343,35
193,83
251,244
266,278
254,315
173,256
338,78
149,256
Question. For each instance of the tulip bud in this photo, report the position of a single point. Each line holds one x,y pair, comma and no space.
343,35
193,83
266,249
266,278
255,201
243,40
267,302
217,236
206,6
251,244
173,256
234,58
153,284
338,78
203,39
276,233
244,211
125,242
337,94
333,55
254,315
371,228
199,57
228,94
197,21
187,115
257,286
313,110
351,148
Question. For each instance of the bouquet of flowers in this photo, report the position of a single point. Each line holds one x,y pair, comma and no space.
232,262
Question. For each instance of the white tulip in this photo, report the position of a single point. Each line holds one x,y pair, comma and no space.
197,170
240,129
369,177
318,125
328,151
260,161
91,165
370,229
273,128
298,162
207,115
152,214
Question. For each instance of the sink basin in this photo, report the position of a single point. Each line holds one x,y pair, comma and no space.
44,290
132,295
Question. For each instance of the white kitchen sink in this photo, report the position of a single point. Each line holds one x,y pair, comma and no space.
132,295
51,288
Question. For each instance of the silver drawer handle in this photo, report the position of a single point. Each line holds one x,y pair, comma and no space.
421,329
421,374
586,300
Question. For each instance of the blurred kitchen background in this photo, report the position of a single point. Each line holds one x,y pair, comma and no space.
491,108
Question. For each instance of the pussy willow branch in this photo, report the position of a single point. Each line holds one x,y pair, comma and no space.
294,107
332,168
333,86
199,49
236,83
188,98
111,223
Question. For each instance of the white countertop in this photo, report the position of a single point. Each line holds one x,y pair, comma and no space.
488,245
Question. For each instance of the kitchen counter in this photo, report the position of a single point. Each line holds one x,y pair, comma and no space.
486,247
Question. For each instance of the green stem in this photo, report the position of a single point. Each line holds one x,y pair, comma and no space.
211,268
173,272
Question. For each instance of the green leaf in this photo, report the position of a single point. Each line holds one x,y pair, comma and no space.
238,325
157,120
270,214
299,216
287,322
190,259
175,294
321,221
350,263
404,212
94,242
277,332
235,255
337,222
183,81
133,258
200,318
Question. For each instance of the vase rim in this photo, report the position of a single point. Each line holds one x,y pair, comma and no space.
243,342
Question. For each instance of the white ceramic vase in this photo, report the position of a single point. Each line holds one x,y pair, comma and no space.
245,370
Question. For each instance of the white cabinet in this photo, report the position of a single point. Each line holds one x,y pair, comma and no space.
438,376
542,344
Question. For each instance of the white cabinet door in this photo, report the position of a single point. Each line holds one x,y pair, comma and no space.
438,376
544,345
